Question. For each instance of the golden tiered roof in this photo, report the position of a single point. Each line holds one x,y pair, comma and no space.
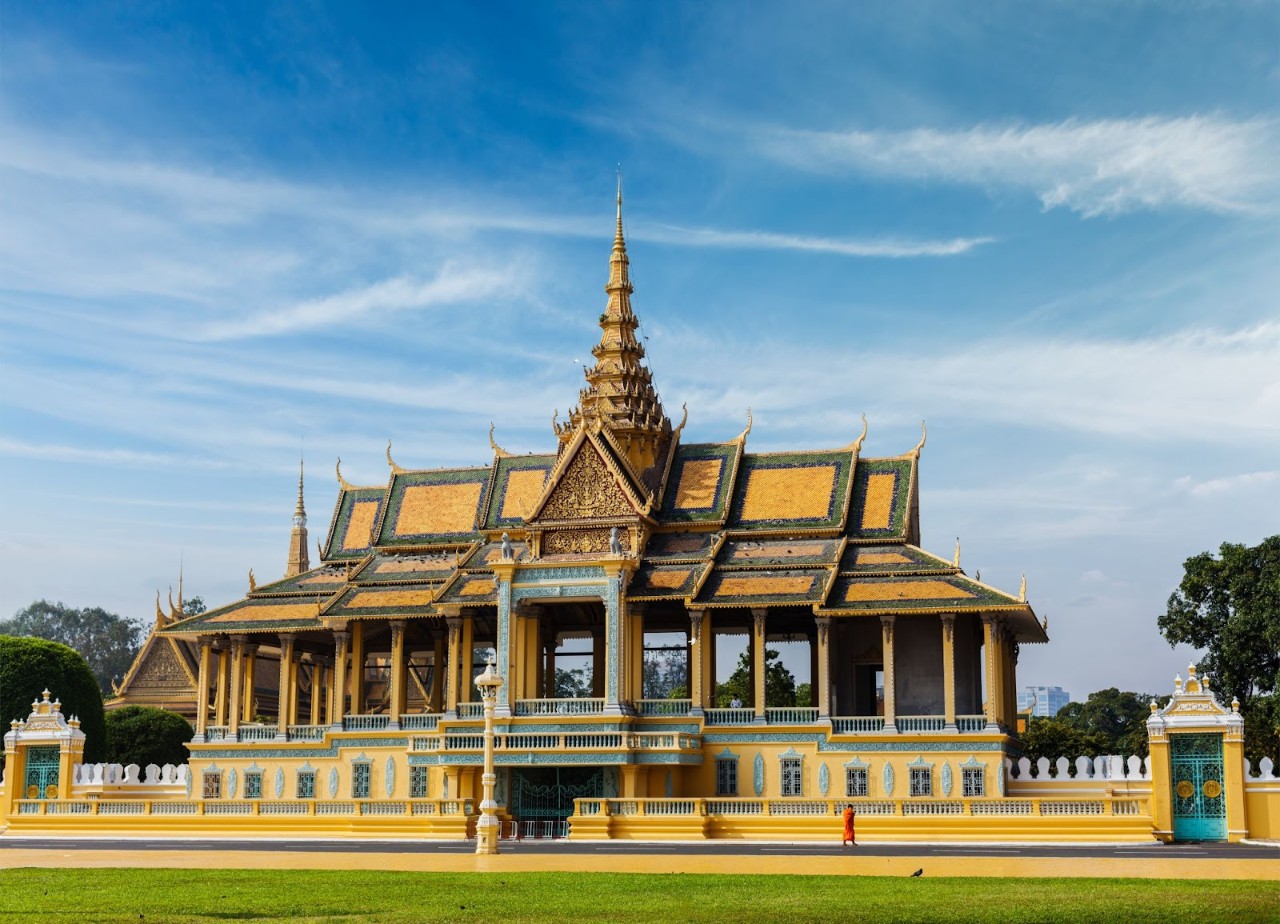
708,525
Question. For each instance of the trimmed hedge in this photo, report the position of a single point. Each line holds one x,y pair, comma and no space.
29,665
145,735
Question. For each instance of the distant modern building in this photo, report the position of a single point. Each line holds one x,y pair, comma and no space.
1043,701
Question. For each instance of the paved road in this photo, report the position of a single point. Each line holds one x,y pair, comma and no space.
550,848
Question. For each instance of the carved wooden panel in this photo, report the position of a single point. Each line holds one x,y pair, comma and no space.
586,490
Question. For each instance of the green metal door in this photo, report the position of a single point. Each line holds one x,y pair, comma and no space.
1199,800
542,799
42,773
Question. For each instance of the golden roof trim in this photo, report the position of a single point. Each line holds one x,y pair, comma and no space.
391,463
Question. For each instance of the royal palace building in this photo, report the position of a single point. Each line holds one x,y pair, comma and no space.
342,696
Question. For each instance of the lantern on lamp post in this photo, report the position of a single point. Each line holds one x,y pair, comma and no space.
487,829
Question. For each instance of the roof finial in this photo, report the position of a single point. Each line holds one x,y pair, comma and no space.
924,435
1022,590
742,437
182,603
498,450
956,561
856,445
617,238
391,463
300,510
342,482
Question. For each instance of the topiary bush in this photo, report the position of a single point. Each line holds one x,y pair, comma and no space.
145,735
30,665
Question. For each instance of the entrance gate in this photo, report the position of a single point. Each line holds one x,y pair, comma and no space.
42,772
542,799
1199,802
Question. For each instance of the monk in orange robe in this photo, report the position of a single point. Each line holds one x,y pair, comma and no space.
848,827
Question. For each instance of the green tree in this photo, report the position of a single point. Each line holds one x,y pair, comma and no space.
193,607
804,695
779,683
107,641
1120,718
28,666
573,684
1229,607
144,735
1054,738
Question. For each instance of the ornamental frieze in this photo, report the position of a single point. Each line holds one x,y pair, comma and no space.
587,490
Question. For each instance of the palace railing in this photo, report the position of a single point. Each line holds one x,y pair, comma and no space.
508,742
729,716
654,707
420,721
1128,806
573,706
307,732
791,715
920,723
244,806
365,722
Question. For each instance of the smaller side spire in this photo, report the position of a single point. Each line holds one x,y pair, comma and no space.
299,560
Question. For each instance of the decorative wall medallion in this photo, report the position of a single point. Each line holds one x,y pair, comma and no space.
232,781
946,780
888,779
391,776
333,782
757,775
279,782
824,780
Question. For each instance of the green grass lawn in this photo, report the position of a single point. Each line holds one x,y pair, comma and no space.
152,895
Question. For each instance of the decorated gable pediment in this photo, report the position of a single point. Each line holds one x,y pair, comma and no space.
587,489
161,669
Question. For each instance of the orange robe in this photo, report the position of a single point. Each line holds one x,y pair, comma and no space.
848,824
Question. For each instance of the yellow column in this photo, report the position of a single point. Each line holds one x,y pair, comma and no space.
758,617
285,700
356,684
990,630
455,667
338,701
949,670
295,687
317,689
437,671
467,658
822,680
237,684
397,673
202,689
1010,679
249,689
890,697
1233,776
698,700
635,654
220,697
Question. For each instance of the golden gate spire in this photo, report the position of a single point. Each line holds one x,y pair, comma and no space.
619,395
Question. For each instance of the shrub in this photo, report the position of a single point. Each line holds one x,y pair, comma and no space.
30,665
145,735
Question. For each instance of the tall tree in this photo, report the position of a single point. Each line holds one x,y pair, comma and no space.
779,683
1229,607
107,641
193,606
1118,717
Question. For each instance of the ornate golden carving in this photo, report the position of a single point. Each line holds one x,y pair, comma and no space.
587,490
160,669
582,541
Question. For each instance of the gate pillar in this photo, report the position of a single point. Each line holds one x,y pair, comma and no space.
45,748
1197,765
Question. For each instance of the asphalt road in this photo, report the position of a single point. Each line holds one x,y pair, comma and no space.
700,848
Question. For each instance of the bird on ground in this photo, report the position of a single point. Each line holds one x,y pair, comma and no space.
919,872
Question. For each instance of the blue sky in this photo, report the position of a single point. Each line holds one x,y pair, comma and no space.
1048,229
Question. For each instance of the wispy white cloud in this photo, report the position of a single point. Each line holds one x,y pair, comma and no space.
1102,167
849,247
452,285
1216,486
131,458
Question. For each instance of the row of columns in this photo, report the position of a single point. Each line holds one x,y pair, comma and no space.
532,670
1000,657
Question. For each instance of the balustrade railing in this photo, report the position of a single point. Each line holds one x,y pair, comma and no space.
471,710
656,707
734,807
854,725
791,715
729,716
572,706
920,723
365,722
420,721
561,741
970,724
272,807
217,733
307,732
258,732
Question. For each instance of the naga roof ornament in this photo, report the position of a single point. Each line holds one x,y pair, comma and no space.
391,463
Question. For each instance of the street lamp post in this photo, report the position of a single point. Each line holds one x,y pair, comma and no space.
487,829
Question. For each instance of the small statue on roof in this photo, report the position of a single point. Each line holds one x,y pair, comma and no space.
507,552
615,543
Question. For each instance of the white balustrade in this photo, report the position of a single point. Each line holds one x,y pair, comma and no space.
791,715
730,716
920,723
420,721
854,725
659,707
570,706
306,732
365,722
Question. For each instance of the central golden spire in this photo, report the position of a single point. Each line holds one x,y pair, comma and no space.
619,395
